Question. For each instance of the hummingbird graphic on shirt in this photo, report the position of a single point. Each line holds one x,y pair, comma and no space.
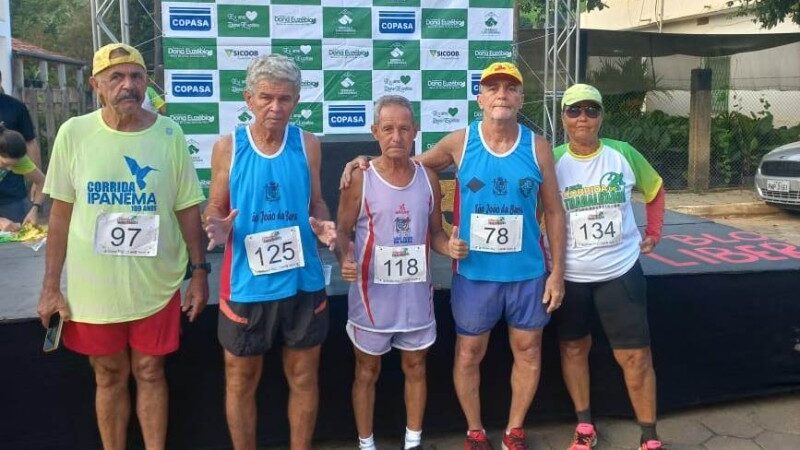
138,172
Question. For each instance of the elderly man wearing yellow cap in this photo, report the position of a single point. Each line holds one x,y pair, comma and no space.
503,171
125,209
603,276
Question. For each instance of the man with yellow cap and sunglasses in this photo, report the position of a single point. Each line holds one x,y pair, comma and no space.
125,210
503,171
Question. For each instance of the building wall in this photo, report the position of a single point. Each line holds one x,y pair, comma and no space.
5,44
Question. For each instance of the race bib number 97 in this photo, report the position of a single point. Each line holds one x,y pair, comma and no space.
395,265
274,251
596,228
495,234
124,234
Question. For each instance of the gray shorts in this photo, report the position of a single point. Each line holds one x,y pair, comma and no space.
249,329
379,342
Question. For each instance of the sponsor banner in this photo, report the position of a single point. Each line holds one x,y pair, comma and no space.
444,85
291,22
400,3
444,23
444,115
312,86
474,112
189,20
349,3
232,115
204,175
397,82
395,55
295,2
306,53
491,3
192,86
199,147
246,21
474,84
232,85
185,53
483,53
444,3
395,23
308,116
347,117
348,85
491,24
236,57
347,23
353,54
444,54
195,118
430,138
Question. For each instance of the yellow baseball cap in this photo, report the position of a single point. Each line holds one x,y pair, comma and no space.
102,58
501,68
581,93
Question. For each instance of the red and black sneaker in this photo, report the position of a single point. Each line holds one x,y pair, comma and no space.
515,440
477,440
653,444
585,437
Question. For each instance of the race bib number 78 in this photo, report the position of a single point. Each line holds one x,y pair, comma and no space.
495,234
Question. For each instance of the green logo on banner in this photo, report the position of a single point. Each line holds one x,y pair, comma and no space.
346,22
483,53
395,2
416,108
474,112
195,118
430,138
296,2
243,20
232,85
348,85
491,3
308,116
444,23
182,53
444,84
205,179
394,85
395,55
307,54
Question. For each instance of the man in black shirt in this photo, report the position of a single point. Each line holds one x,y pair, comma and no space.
14,201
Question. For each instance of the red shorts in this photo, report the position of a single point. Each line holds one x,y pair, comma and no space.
154,335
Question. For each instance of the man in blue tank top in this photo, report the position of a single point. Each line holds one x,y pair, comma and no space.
503,169
394,207
266,206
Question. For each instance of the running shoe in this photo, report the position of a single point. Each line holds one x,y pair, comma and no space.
585,437
477,440
652,445
515,440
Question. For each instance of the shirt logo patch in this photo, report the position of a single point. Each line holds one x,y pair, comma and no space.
138,172
526,186
272,191
475,184
500,186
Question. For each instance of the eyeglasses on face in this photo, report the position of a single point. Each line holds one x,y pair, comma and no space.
592,111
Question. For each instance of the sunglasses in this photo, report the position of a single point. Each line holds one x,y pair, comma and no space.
592,111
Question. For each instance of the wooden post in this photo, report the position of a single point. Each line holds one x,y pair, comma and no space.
19,77
700,130
43,73
62,76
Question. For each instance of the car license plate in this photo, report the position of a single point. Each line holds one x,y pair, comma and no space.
778,185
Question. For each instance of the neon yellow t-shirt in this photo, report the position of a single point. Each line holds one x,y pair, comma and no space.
24,166
102,171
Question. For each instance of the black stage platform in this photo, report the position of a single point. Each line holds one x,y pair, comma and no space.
724,311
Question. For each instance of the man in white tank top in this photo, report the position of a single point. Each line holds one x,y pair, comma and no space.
394,208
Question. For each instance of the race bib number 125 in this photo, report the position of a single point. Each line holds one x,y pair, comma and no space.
123,234
274,251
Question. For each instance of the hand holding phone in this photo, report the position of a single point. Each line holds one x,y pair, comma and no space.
53,335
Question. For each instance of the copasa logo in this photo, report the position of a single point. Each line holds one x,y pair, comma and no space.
397,22
192,85
475,83
185,18
347,116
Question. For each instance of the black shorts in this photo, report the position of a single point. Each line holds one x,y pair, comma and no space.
249,329
620,304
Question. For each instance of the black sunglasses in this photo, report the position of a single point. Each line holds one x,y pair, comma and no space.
592,111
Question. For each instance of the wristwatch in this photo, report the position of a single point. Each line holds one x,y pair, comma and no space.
202,266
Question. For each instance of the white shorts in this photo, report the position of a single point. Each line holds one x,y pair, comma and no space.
378,343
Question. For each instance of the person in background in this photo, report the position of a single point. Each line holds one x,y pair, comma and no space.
14,160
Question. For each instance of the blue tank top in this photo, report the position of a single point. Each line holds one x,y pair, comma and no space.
271,192
392,216
506,185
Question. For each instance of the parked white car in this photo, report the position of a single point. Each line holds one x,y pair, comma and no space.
778,177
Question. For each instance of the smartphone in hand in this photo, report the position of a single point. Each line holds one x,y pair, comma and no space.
53,335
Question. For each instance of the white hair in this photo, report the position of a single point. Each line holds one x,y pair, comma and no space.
387,100
273,68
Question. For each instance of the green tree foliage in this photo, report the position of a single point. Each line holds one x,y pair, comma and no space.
770,13
531,12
